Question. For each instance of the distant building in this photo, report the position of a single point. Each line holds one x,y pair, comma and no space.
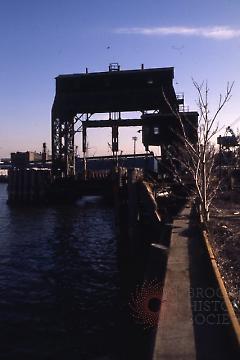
3,175
23,159
148,162
5,161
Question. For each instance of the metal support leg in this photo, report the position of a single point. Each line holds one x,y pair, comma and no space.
84,149
57,161
69,156
63,159
115,142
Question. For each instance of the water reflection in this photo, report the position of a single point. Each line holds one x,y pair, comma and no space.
58,280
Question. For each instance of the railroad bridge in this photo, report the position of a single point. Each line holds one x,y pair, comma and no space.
148,91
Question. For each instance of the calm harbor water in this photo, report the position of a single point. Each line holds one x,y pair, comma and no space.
59,281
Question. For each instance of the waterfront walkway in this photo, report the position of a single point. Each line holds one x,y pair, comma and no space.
175,335
193,320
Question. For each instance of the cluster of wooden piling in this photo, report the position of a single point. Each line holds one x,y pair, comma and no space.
135,205
28,185
97,174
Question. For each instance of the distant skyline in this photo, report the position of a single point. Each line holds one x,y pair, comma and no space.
42,39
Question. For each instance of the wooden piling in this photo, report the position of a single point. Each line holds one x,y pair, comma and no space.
28,186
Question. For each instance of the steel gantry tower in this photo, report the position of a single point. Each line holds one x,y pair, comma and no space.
78,96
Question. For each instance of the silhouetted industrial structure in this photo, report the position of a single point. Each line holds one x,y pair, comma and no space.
149,91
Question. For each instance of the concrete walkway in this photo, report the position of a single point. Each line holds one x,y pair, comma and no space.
175,335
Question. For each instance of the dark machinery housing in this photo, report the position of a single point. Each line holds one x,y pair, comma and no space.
228,149
229,139
168,129
78,96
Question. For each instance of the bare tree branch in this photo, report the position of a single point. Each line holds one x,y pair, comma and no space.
198,160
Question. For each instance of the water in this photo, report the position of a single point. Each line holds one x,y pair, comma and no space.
58,281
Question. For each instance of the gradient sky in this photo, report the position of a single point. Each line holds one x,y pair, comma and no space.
42,39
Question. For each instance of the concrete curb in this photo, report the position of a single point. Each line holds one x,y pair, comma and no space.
231,313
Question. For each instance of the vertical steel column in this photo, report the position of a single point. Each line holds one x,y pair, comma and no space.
84,149
68,149
115,140
63,159
114,115
57,164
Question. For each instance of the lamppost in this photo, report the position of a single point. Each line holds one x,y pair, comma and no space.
134,144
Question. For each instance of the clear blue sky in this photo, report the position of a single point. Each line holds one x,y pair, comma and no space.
42,39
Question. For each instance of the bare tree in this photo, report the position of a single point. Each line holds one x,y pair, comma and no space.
198,160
